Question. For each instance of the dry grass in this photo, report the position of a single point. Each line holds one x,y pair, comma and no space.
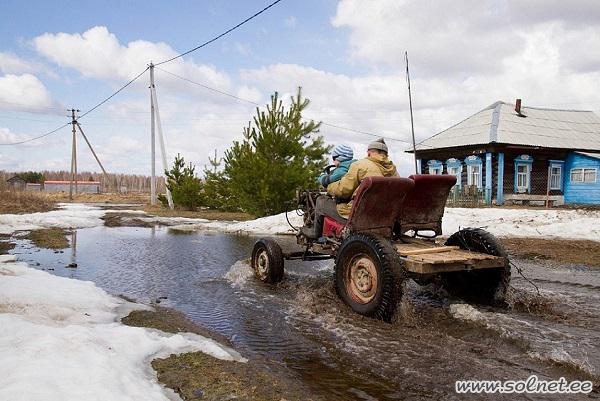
109,198
49,238
19,202
199,214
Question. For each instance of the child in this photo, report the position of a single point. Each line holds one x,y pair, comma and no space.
342,156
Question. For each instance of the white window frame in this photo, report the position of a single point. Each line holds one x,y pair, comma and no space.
526,174
582,171
558,177
470,168
436,170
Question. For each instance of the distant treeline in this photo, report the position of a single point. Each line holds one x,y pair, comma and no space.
110,182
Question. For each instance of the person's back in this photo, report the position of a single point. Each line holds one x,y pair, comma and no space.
376,164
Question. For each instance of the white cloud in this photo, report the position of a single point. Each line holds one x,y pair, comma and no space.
12,64
97,53
26,93
8,136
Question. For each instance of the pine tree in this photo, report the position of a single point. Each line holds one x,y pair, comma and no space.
185,187
277,156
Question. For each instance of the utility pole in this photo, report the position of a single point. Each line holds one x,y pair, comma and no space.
412,125
73,155
152,139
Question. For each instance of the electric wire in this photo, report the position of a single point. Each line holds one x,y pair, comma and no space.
258,104
37,137
114,93
222,34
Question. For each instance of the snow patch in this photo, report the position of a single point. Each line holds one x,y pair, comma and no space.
62,339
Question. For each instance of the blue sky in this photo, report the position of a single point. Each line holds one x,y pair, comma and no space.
346,54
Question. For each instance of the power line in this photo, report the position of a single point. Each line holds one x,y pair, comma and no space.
257,104
37,137
222,34
114,93
208,87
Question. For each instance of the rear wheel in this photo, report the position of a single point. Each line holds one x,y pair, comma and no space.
368,275
267,261
486,285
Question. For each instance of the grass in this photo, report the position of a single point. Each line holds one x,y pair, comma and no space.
198,376
49,238
20,202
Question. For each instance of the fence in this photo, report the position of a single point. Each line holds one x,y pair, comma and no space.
467,196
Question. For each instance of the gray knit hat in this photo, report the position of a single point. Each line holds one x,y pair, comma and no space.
378,144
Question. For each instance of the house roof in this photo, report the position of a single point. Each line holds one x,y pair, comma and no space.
68,182
500,123
590,154
15,178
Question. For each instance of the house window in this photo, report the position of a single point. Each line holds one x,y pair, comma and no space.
435,167
474,176
523,165
522,177
555,174
584,175
454,167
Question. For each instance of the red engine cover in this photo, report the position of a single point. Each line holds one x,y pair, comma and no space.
332,228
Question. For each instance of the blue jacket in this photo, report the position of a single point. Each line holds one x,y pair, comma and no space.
336,174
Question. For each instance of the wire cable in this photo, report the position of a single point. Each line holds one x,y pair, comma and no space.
258,104
222,34
114,93
37,137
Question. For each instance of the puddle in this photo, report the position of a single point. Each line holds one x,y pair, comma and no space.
300,329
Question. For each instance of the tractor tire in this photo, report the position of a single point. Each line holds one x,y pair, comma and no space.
369,275
486,286
267,261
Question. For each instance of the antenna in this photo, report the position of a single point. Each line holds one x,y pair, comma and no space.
412,124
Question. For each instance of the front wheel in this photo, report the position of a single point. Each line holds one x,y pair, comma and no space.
267,261
368,275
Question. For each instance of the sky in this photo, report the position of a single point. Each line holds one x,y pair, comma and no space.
347,55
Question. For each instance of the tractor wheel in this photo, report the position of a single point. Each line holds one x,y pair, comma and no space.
267,261
486,286
368,275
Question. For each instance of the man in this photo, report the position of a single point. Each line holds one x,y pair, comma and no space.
376,164
343,157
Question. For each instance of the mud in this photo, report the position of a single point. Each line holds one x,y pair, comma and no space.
558,251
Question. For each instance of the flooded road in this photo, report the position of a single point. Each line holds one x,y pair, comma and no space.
301,330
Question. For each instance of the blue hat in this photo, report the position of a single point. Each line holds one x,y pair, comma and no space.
343,153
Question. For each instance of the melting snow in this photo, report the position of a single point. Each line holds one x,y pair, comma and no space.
61,339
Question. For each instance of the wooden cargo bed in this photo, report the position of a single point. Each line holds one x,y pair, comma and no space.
426,257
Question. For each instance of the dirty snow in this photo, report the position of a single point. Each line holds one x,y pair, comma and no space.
61,339
540,223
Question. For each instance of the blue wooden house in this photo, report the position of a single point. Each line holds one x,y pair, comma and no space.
508,153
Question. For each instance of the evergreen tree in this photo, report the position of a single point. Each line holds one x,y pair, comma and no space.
185,187
276,156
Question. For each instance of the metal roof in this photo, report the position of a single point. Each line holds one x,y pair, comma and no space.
589,154
500,123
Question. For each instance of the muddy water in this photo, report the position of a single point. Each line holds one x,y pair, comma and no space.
300,330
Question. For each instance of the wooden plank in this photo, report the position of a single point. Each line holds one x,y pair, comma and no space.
435,249
429,268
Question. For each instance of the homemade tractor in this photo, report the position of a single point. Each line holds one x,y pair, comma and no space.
388,238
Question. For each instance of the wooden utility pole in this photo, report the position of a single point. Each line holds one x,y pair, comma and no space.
412,125
73,156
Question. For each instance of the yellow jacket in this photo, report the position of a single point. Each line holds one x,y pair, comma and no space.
373,166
